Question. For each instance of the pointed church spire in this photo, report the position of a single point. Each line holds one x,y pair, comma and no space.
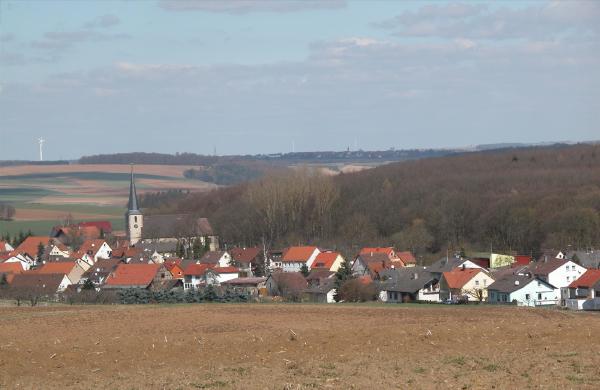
133,203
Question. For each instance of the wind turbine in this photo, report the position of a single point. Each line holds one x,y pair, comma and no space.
41,142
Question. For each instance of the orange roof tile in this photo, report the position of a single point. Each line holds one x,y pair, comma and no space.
30,245
325,260
63,268
133,275
11,268
387,250
458,277
406,257
197,269
298,253
588,279
226,270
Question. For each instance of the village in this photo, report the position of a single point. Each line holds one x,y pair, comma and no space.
181,253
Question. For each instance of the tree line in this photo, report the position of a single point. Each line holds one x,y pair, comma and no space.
521,200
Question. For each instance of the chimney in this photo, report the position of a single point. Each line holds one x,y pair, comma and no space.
463,267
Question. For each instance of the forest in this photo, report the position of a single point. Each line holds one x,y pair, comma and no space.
518,200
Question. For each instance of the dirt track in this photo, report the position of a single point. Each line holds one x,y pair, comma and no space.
252,346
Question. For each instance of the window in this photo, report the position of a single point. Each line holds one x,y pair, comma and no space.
527,297
568,278
539,296
485,282
477,282
135,219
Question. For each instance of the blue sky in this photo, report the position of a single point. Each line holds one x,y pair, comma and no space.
254,76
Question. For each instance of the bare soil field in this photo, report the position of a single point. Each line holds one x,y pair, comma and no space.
297,347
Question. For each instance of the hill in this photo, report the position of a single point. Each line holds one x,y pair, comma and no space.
518,200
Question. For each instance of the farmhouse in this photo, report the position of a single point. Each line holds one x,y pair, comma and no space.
136,276
408,284
524,290
471,283
295,257
33,283
98,273
71,269
584,293
330,261
249,260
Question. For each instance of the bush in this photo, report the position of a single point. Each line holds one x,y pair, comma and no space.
355,290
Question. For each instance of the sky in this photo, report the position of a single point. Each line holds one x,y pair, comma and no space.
255,76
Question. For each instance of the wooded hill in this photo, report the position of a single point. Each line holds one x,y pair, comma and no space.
519,200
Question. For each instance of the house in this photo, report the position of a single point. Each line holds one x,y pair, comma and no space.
31,245
33,283
275,259
446,264
98,273
295,256
198,275
371,263
584,293
321,293
318,276
558,273
253,286
69,268
407,258
524,290
408,284
22,258
217,258
249,260
158,251
96,249
105,227
490,260
391,254
136,276
286,284
465,282
175,268
57,249
331,261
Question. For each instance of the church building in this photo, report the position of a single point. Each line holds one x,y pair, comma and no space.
162,233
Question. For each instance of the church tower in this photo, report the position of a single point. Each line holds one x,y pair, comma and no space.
134,219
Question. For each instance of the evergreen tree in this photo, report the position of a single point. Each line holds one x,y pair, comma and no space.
197,248
40,252
343,274
88,285
304,270
180,249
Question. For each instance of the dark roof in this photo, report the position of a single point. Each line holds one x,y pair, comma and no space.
212,257
545,267
588,259
446,264
408,280
323,288
319,274
508,284
45,283
101,270
175,225
158,246
244,255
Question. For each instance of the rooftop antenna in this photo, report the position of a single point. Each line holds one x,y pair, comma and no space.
41,142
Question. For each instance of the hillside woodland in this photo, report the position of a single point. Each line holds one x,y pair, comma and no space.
520,201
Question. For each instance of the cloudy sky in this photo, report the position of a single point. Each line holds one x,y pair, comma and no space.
254,76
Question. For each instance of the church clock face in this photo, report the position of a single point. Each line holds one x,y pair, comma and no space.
135,226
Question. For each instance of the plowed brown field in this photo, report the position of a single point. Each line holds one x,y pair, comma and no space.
298,347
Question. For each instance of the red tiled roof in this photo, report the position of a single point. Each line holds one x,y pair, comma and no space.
63,268
87,232
457,278
31,244
387,250
244,255
298,253
226,270
197,269
105,226
325,260
588,279
133,275
406,257
11,268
